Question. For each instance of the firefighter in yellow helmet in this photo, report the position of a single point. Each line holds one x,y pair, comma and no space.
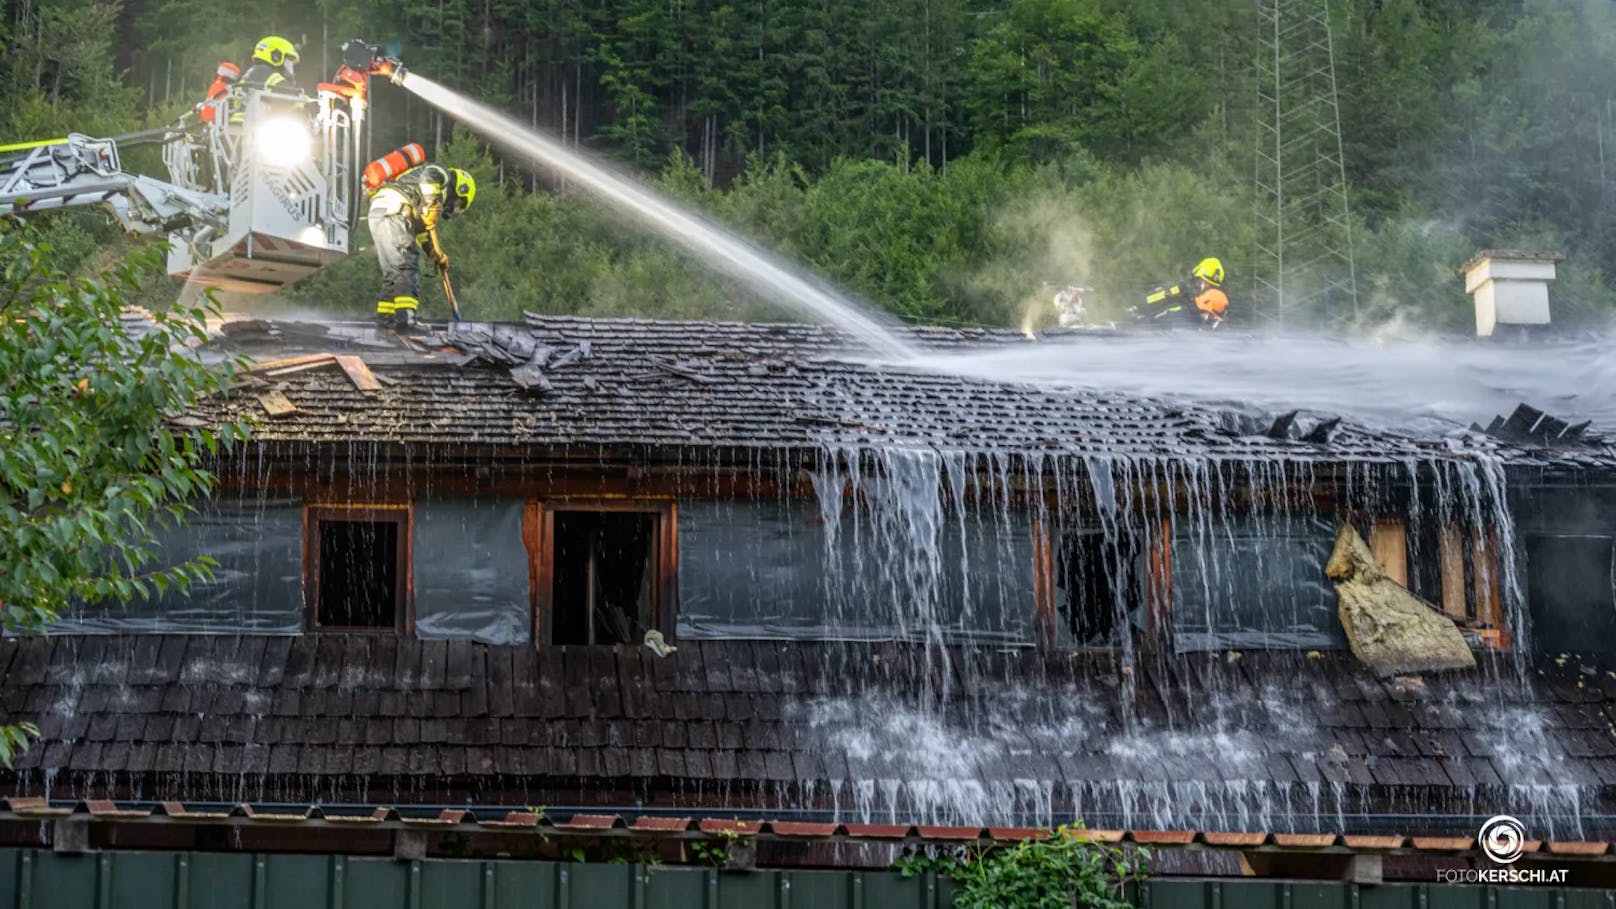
405,212
1198,300
273,67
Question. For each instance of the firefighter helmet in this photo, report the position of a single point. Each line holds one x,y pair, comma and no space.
465,188
1210,270
275,51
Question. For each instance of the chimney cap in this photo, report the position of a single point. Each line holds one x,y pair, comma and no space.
1514,254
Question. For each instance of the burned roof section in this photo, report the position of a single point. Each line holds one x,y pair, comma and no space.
1275,742
559,381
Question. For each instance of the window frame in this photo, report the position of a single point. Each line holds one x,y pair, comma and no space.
402,515
1048,536
538,528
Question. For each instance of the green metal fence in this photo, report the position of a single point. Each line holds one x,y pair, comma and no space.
190,880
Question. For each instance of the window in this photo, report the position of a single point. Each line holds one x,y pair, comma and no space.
1571,585
1254,581
1096,580
774,569
357,559
605,565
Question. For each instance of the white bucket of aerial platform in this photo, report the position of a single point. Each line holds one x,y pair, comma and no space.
288,166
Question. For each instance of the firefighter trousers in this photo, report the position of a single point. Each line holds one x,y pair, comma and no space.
394,236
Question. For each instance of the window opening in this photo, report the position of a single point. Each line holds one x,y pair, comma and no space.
358,569
1094,577
604,576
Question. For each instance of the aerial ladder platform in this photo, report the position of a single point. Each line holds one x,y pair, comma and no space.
261,193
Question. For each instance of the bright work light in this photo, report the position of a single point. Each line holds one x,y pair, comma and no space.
283,142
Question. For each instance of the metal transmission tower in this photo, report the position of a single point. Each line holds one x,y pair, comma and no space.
1303,261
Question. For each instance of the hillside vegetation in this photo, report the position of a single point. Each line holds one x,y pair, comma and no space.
941,158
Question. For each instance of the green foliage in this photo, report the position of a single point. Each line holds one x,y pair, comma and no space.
939,157
1062,870
92,460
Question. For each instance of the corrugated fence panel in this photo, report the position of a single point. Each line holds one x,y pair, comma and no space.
31,879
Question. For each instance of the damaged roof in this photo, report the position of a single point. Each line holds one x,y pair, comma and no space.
1274,742
559,381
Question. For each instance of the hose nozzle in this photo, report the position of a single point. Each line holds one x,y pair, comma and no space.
372,60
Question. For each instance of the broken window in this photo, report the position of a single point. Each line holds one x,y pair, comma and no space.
605,585
1097,581
1254,581
358,560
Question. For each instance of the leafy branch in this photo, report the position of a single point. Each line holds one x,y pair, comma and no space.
91,466
1064,869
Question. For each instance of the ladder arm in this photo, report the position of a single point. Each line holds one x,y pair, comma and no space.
80,171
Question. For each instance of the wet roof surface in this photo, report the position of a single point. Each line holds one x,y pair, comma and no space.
1274,742
568,381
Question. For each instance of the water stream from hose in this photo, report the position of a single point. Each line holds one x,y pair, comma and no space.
718,248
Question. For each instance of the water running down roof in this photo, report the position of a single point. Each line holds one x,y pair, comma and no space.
570,381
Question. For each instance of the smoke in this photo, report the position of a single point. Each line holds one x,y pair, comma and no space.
1414,385
1046,244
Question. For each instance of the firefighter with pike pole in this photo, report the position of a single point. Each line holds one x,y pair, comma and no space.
410,198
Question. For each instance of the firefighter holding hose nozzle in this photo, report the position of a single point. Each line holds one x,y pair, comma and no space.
1198,300
411,197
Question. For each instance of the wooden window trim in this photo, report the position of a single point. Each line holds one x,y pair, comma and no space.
1469,563
1045,607
404,517
538,530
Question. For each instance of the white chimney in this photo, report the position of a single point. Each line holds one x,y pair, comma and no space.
1510,287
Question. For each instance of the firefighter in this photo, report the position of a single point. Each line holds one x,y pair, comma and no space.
1199,300
274,65
406,210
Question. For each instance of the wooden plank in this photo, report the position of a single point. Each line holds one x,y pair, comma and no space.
1159,581
1388,540
1045,607
276,404
1450,552
1488,581
358,373
299,362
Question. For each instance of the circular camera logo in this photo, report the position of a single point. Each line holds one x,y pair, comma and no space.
1503,838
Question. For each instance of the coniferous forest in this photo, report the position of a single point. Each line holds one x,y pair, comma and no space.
940,158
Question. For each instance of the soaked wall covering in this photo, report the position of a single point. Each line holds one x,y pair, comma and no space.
1570,547
775,569
257,585
1251,581
471,570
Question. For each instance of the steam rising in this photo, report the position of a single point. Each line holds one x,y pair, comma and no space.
1410,385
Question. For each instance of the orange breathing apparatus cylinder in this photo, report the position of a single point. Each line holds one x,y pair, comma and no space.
393,163
223,78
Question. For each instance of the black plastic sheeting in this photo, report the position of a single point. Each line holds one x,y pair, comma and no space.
257,585
1251,582
1570,543
471,570
764,569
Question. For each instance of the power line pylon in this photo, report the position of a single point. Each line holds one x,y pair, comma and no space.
1303,265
